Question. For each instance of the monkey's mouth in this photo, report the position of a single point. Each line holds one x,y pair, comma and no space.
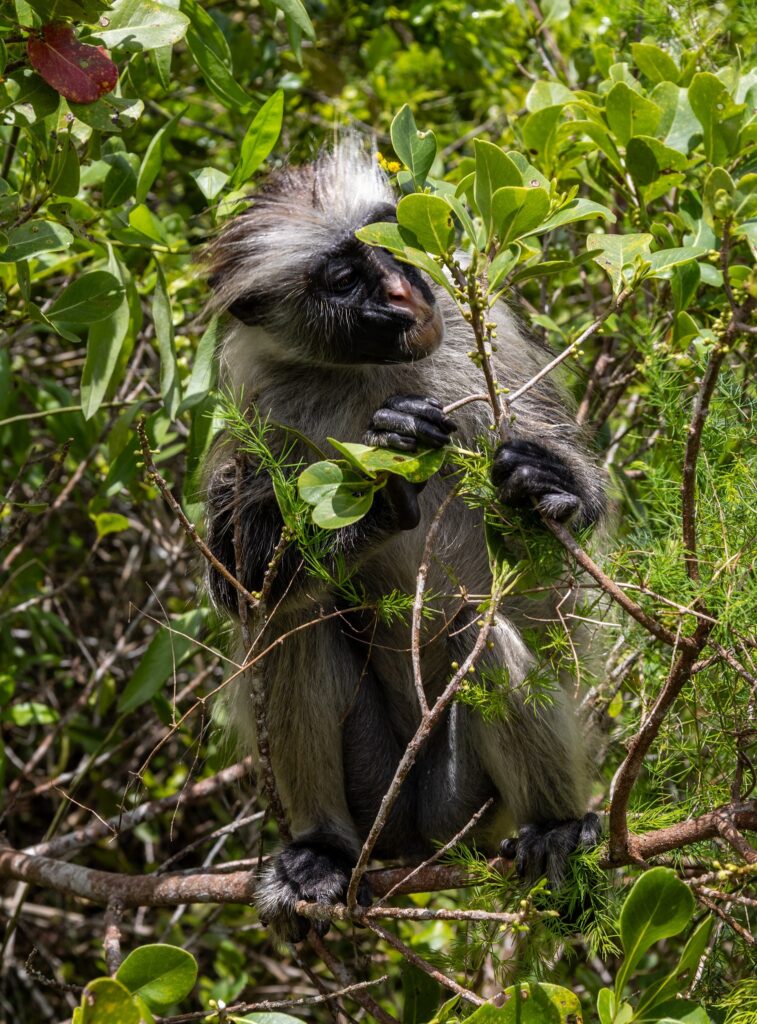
425,335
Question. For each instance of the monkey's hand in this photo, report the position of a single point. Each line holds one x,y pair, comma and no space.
525,473
409,422
313,870
544,849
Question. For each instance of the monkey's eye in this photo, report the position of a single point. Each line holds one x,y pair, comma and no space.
342,279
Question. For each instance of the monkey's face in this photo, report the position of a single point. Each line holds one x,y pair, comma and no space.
348,303
367,307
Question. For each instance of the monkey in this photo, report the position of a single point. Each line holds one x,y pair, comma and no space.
335,338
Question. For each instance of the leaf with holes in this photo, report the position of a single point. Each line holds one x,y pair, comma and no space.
79,72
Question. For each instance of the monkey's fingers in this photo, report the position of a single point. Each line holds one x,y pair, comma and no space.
409,425
424,406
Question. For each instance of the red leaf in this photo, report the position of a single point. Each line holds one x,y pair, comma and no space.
80,72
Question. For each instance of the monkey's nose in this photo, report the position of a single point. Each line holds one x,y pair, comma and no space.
399,292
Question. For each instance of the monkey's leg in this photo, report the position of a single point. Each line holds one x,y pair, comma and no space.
538,761
312,678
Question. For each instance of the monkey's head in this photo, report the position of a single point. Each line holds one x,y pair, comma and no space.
292,266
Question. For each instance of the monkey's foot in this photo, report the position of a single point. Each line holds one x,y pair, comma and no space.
312,870
544,849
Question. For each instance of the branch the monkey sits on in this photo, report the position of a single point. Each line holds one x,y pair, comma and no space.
338,339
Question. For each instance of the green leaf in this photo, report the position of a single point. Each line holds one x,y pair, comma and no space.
415,149
109,114
420,995
429,219
671,985
518,211
540,133
160,974
107,1001
295,10
416,468
33,238
548,94
121,179
319,480
531,1003
64,168
89,298
204,367
104,344
629,113
681,1011
110,522
211,52
389,236
342,507
260,138
719,116
664,260
164,333
501,265
27,713
142,25
142,219
494,170
210,181
576,209
616,252
653,62
647,159
154,156
606,1006
658,907
166,651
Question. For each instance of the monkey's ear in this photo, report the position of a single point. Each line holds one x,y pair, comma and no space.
248,309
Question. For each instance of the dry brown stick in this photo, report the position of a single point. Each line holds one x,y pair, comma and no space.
442,850
422,733
339,912
344,977
727,918
626,776
280,1004
188,527
734,838
63,845
254,671
420,587
651,624
427,968
114,913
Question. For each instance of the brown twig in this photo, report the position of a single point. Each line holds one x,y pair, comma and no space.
427,968
254,671
114,913
188,527
422,733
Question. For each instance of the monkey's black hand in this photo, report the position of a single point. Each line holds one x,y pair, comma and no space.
409,422
525,472
311,870
544,849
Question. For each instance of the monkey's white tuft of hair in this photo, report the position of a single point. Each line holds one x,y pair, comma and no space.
300,213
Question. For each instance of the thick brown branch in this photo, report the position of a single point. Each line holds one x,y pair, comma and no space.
172,890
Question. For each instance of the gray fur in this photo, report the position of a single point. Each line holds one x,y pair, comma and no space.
341,705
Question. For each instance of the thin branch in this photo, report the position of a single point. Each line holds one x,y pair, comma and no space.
420,587
188,527
576,343
429,969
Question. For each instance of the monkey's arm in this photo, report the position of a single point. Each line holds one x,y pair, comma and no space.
395,508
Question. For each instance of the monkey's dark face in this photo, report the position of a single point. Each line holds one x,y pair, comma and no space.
351,304
370,308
